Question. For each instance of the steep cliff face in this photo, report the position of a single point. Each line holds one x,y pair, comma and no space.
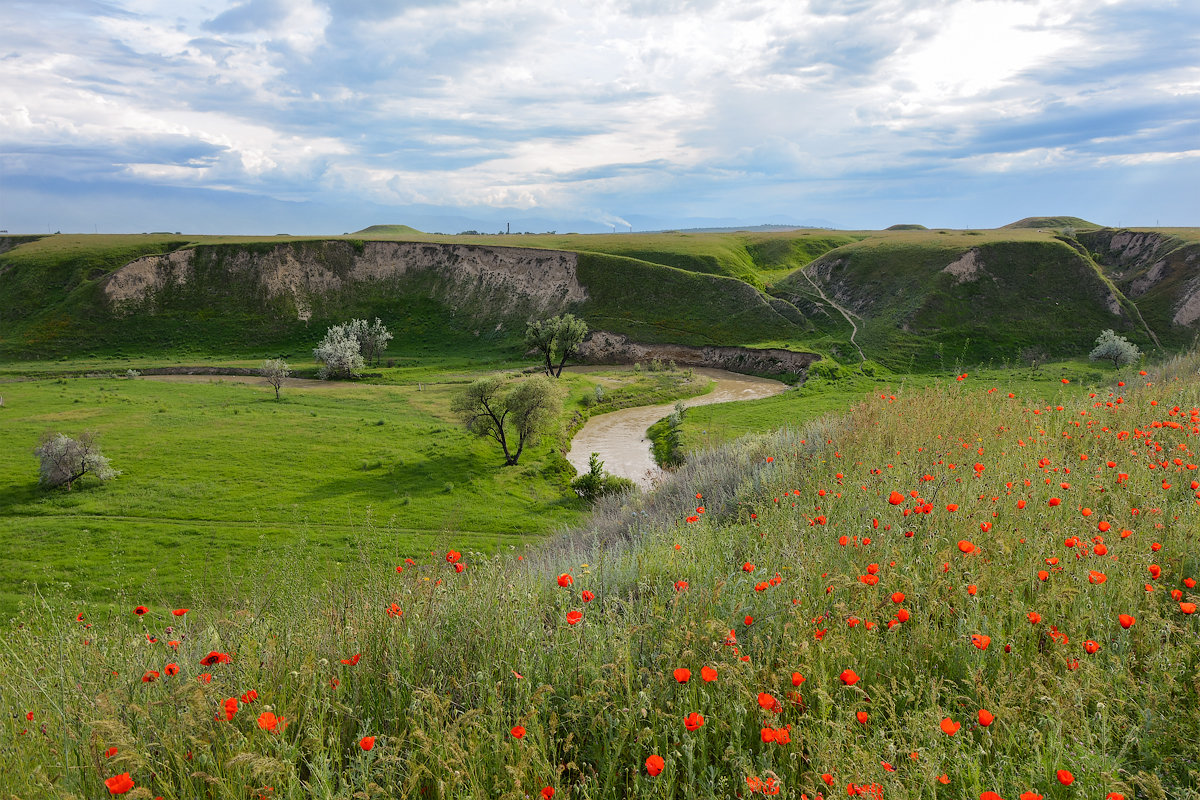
294,278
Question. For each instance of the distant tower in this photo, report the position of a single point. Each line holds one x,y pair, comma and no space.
507,227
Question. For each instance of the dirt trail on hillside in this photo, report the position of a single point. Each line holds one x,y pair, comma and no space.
620,436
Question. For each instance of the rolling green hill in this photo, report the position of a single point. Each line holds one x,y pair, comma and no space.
920,298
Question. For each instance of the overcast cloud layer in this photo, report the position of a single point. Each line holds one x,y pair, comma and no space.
318,116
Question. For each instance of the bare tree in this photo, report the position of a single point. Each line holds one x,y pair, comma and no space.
275,370
65,460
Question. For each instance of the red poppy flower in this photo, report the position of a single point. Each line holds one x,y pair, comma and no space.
949,726
269,722
230,706
149,676
682,675
179,612
769,703
366,743
1034,617
1091,647
110,752
681,586
1187,608
119,784
215,658
140,610
849,677
1030,795
897,597
394,610
693,721
990,795
565,580
587,596
747,567
895,498
352,660
1065,777
708,674
654,765
985,717
574,617
171,669
1126,621
797,679
1055,501
204,677
966,546
981,641
944,779
547,792
249,697
453,556
862,717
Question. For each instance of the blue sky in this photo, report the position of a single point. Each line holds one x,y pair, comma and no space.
324,116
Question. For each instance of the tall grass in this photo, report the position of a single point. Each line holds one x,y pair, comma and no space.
781,598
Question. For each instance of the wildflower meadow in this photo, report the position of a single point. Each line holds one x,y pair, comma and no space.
949,592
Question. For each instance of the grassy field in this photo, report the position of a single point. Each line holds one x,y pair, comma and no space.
920,599
835,390
218,476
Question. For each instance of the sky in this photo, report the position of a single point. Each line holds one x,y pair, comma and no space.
326,116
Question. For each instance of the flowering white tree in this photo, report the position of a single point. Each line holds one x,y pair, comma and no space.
65,460
339,354
1114,348
275,370
373,338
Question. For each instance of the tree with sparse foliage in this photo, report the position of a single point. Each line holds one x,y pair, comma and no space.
1114,348
275,370
514,416
373,338
557,339
339,353
65,460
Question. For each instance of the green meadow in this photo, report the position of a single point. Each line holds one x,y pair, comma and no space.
219,478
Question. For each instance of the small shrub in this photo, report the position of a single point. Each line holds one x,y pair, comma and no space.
596,483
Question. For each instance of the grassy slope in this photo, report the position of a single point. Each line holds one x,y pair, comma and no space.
475,653
55,286
1035,294
1175,257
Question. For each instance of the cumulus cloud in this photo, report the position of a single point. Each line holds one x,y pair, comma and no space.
608,109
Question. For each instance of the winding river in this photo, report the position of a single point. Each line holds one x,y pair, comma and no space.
620,436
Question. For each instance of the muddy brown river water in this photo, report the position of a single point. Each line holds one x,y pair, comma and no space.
620,436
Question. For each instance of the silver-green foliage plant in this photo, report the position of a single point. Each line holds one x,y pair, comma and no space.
275,370
513,416
1114,348
556,339
340,353
64,460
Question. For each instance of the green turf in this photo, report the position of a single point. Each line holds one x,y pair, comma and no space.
214,470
